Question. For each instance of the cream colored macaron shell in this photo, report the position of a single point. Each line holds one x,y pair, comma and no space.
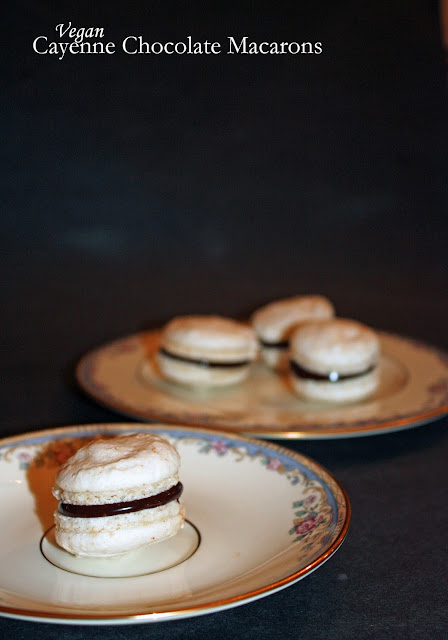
344,351
275,322
116,470
206,351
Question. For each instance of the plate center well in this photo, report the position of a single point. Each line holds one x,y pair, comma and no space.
151,559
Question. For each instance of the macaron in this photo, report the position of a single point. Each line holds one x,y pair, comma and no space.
334,360
117,495
206,351
274,323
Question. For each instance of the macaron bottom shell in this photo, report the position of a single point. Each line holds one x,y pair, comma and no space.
199,375
115,535
341,391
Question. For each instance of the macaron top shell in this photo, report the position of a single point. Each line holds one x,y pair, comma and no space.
276,320
339,344
209,337
118,464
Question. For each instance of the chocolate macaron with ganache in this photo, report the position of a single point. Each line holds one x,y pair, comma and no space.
117,495
274,323
334,360
206,351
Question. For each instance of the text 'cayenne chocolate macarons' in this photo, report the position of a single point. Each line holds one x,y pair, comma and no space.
117,495
275,322
334,360
206,351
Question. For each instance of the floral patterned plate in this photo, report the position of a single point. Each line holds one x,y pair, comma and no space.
266,517
413,389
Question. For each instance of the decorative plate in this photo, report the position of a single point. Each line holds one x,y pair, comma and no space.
413,390
235,488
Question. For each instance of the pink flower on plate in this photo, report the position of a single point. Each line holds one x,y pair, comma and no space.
274,464
25,459
24,456
439,387
220,447
125,347
307,525
309,500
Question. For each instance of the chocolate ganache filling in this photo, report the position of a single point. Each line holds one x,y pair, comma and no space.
115,508
333,376
202,362
281,344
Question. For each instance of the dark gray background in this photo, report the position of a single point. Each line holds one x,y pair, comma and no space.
135,188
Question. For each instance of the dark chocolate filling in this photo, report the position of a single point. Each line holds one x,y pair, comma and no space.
333,376
202,362
115,508
281,344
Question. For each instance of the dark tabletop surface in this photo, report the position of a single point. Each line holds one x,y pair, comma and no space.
135,188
